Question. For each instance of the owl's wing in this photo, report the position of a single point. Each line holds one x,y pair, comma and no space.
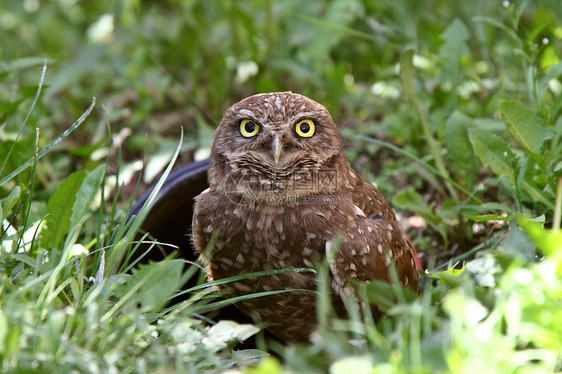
373,245
368,198
375,207
370,250
200,236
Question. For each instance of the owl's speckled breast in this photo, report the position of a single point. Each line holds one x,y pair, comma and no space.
261,237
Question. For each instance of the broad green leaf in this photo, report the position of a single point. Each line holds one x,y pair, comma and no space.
224,332
524,125
86,194
518,244
459,150
548,241
455,37
59,208
489,124
152,285
452,276
410,200
492,151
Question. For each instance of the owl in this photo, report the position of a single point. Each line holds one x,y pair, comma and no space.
282,195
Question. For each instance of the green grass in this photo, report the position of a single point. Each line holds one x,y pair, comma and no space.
453,109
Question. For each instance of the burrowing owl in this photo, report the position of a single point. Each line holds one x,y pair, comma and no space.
283,195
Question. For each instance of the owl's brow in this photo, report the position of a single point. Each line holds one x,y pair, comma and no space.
248,114
306,115
245,113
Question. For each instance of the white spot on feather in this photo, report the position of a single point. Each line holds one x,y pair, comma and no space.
387,259
242,287
247,113
359,212
278,226
226,261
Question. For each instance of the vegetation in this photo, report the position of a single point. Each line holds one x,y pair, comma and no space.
453,109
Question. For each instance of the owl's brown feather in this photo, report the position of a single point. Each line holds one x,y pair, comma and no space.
275,208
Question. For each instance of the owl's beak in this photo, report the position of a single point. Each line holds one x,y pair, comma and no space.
276,147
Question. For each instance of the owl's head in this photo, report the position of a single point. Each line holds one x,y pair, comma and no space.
274,143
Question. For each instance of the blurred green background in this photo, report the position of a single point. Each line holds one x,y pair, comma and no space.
464,137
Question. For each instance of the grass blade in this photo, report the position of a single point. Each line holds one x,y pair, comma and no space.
51,145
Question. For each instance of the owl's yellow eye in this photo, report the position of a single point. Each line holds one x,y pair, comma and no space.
249,128
305,128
